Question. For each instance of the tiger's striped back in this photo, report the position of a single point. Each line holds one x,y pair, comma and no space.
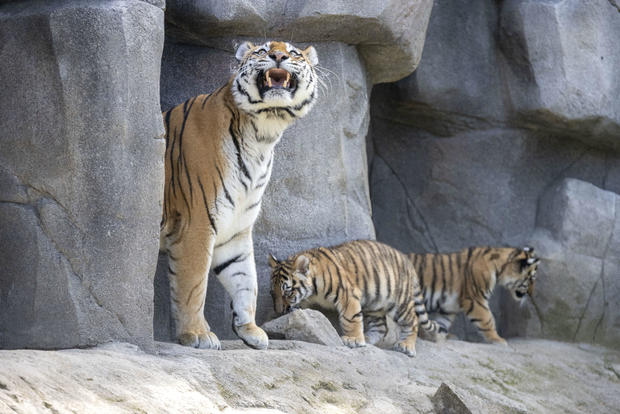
463,282
364,280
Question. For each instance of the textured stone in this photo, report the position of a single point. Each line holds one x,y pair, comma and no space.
446,401
535,376
80,159
389,34
541,65
562,60
306,325
580,278
579,215
458,86
318,193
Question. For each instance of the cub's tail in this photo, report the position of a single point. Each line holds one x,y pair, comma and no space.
430,329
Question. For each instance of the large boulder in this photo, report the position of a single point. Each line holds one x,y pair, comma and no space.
318,193
541,65
389,34
306,325
562,60
81,172
579,279
457,87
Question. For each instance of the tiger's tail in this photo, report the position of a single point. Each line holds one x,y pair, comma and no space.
430,329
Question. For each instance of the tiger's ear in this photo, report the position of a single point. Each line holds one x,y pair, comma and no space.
243,49
529,250
310,54
302,264
532,260
273,262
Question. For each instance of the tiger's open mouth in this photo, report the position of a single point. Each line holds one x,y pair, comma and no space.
276,78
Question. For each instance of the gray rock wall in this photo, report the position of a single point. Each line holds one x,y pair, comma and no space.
80,171
507,134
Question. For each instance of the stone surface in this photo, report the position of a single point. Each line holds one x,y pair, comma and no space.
318,193
541,65
80,159
303,325
580,280
457,86
562,59
389,34
534,376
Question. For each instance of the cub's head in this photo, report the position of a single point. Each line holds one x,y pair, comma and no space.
276,78
290,282
519,274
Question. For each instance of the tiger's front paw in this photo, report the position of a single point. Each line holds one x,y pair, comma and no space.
353,342
405,348
252,335
202,340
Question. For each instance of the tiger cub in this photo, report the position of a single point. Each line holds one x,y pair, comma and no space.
463,282
364,281
218,160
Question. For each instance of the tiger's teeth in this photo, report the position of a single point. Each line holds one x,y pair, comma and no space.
288,77
268,80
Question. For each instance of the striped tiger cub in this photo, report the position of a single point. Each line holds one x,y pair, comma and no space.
463,282
218,160
364,281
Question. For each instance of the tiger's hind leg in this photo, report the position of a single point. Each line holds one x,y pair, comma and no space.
189,257
375,327
234,266
407,321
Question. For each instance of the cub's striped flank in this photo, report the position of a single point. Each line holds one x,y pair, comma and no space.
365,281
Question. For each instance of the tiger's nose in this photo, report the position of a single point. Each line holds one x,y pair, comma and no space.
278,56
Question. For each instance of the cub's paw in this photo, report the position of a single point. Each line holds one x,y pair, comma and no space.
434,336
498,341
353,342
405,348
203,340
252,335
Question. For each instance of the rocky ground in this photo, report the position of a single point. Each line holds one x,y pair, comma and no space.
537,376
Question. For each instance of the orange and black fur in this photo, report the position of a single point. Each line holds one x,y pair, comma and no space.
463,282
364,281
218,161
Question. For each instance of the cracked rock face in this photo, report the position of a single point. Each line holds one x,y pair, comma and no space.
478,147
577,234
79,162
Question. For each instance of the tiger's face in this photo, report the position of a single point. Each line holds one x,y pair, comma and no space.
290,283
519,275
276,78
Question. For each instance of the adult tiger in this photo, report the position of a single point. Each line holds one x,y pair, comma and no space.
463,282
364,281
218,160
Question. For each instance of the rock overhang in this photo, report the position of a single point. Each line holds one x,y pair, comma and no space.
389,35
